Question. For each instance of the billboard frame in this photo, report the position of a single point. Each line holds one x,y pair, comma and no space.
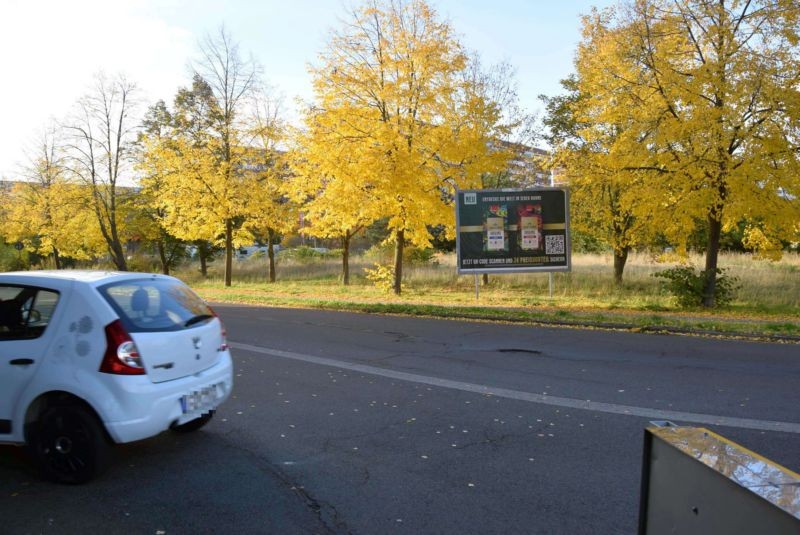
516,192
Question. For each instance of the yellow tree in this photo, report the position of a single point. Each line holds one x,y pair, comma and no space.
151,213
232,81
604,191
173,148
268,211
79,235
207,179
198,198
32,206
46,213
203,168
390,91
52,220
334,198
709,93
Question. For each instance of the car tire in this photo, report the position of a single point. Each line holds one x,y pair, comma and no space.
70,445
193,425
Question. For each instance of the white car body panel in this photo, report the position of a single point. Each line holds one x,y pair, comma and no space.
180,354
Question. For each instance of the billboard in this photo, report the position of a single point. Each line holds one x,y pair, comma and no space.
512,230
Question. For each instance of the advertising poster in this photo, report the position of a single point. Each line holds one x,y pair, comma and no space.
512,230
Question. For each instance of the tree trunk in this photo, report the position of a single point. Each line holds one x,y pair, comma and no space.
712,255
346,259
485,279
162,255
118,255
398,261
174,252
620,258
204,253
271,254
228,251
56,258
115,245
203,264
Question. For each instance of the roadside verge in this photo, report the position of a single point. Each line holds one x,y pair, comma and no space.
778,330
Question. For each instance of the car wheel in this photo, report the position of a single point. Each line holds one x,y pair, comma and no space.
70,445
193,425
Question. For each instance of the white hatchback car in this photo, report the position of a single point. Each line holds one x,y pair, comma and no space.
89,358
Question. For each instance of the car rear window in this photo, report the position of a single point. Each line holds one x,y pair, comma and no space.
155,305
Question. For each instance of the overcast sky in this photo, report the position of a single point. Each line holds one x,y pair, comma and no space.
50,49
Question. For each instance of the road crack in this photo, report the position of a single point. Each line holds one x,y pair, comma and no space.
326,513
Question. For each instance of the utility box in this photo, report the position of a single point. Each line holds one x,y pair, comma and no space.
697,482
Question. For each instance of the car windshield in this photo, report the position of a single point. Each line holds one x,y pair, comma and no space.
156,305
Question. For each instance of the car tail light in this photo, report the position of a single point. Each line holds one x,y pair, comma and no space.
121,357
224,344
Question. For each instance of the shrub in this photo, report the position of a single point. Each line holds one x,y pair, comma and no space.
144,264
382,277
303,254
416,255
12,259
583,242
687,285
382,252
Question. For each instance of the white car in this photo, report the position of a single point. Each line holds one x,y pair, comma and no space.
91,358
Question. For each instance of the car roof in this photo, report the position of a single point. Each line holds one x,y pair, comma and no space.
91,277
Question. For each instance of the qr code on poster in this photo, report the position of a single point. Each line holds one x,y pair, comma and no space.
554,244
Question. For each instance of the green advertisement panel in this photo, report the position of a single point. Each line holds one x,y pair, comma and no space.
512,230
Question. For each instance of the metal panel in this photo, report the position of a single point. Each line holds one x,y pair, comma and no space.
697,482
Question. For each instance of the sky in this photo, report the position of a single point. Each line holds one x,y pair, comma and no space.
50,50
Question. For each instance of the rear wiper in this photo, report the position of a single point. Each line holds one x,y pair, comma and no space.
197,319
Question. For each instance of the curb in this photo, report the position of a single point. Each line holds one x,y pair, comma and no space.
647,329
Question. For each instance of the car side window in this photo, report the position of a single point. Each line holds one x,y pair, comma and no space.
25,311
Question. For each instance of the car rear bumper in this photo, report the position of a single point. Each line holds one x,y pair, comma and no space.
157,406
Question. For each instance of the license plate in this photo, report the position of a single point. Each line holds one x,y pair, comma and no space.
204,399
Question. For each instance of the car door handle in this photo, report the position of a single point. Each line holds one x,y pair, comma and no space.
21,362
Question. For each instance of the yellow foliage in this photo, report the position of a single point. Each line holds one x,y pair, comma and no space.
196,190
689,111
52,217
763,247
268,208
396,125
381,276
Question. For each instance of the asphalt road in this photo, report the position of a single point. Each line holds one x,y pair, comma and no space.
348,423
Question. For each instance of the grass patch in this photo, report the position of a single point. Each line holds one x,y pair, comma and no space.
768,302
786,328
